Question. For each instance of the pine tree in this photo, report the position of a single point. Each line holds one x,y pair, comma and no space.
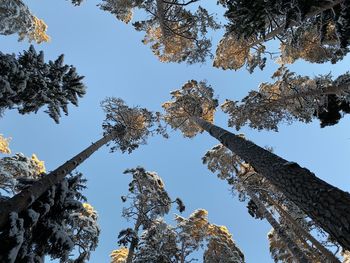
55,225
265,202
162,243
27,83
192,111
174,32
125,127
4,145
292,97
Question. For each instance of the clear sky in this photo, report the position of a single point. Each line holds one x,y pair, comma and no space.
115,63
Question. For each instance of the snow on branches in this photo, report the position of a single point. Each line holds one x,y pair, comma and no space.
175,33
15,17
194,99
138,124
27,83
291,97
56,225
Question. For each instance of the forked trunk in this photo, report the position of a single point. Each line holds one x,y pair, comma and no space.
25,198
327,205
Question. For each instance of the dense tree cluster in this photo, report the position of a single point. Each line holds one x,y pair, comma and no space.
159,242
46,214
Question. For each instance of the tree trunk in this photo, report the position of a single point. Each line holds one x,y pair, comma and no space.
327,205
291,245
282,28
25,198
300,231
133,243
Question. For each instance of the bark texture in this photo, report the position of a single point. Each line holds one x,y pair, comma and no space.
327,205
24,199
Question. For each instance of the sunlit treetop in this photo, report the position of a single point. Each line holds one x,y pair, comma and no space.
316,31
15,17
138,124
119,255
291,97
233,53
4,145
148,195
221,248
307,43
194,99
175,32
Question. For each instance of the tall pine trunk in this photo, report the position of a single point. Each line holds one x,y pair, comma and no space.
300,231
25,198
327,205
294,249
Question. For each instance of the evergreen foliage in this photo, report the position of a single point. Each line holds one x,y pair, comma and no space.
28,83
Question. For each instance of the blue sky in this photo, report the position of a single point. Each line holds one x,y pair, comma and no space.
115,63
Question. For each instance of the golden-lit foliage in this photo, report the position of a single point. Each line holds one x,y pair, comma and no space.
40,165
196,225
309,46
4,145
231,53
38,32
137,124
90,211
346,256
194,99
167,48
221,247
119,255
290,97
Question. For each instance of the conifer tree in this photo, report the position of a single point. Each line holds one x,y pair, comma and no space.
161,243
28,83
126,128
292,97
266,201
175,32
15,17
55,225
192,111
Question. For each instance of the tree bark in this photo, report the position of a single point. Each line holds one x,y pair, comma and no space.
327,205
302,232
291,245
25,198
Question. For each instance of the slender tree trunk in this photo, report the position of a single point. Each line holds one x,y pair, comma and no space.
133,243
291,245
327,205
25,198
300,231
282,28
